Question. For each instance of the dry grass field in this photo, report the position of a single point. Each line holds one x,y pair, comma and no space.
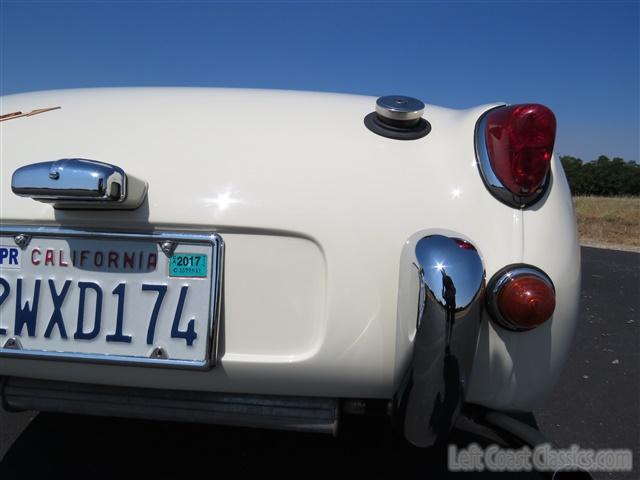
613,220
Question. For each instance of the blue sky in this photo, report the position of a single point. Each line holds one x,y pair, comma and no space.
579,58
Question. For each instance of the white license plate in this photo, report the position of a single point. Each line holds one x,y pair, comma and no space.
109,298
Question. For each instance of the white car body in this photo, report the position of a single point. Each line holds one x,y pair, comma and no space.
316,213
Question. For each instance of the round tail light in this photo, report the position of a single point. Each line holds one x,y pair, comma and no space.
521,297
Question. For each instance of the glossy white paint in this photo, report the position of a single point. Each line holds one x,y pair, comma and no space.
315,211
282,282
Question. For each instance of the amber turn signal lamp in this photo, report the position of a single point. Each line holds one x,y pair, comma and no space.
521,297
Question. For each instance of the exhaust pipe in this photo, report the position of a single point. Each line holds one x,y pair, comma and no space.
527,433
571,473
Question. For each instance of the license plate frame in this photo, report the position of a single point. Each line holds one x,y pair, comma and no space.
210,239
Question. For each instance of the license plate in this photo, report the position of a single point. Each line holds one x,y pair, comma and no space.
142,299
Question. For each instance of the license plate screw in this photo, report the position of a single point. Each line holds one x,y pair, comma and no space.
159,352
168,247
13,344
22,240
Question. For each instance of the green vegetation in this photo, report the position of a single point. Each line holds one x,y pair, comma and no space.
603,177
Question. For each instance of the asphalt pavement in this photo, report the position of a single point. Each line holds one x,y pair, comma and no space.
595,405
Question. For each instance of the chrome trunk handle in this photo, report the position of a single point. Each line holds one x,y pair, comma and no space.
77,182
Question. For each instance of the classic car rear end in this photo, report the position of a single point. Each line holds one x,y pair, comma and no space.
270,258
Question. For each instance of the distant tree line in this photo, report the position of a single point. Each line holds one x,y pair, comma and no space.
604,176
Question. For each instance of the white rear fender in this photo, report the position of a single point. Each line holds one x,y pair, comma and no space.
315,211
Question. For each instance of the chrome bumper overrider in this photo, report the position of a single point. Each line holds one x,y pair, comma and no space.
452,282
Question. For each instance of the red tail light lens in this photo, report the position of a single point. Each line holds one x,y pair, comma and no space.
521,298
519,141
464,244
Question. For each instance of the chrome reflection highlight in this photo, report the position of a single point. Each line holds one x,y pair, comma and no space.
400,108
22,240
78,183
71,179
452,286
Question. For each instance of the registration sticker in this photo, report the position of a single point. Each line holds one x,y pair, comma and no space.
190,265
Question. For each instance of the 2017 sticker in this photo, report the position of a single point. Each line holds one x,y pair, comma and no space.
190,265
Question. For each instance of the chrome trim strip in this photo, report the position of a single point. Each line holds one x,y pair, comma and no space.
453,278
500,279
216,267
491,181
103,359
